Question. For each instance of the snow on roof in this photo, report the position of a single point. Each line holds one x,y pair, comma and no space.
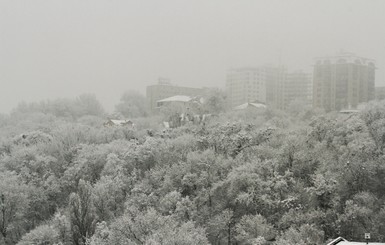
337,240
250,104
177,98
359,243
343,241
119,122
349,111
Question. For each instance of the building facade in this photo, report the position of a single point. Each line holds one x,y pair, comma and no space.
246,84
380,93
298,86
275,86
255,84
343,82
164,89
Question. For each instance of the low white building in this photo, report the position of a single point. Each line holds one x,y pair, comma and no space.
178,100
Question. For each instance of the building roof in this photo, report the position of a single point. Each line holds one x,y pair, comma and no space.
343,241
351,111
345,57
250,104
177,98
337,241
118,122
359,243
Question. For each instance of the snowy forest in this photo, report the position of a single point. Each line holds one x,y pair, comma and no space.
243,177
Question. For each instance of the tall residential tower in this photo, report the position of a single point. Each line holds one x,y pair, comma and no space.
246,84
249,84
343,81
298,86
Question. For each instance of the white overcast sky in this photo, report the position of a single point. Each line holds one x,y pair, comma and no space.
51,48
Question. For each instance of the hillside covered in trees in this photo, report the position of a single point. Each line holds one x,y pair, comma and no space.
248,177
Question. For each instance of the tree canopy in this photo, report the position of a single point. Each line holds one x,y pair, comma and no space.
255,177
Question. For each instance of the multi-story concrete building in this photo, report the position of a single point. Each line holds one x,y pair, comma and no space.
343,81
298,86
164,90
380,93
249,84
246,84
275,86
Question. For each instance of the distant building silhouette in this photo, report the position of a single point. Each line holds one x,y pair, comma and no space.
271,85
342,81
380,93
275,86
298,86
248,84
245,85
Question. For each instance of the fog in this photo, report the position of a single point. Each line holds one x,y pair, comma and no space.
51,49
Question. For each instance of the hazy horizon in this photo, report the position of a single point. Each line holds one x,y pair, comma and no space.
56,49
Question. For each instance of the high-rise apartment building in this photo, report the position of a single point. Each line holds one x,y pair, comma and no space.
246,84
263,84
275,86
165,89
298,86
380,93
343,81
